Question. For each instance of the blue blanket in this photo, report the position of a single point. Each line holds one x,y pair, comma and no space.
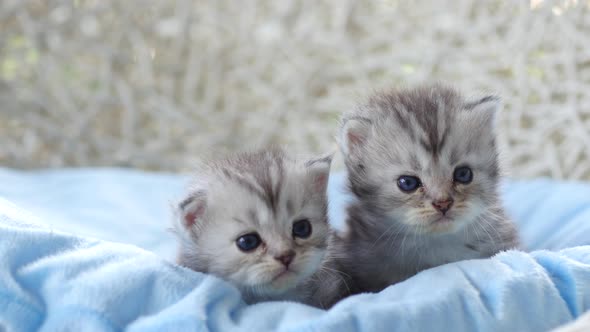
114,274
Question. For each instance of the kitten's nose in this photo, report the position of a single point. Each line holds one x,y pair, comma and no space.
286,258
443,205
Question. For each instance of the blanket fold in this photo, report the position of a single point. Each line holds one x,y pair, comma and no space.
92,254
54,281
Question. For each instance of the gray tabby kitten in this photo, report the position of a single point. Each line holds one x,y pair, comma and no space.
422,165
259,221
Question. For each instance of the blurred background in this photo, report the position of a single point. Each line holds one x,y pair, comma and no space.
156,84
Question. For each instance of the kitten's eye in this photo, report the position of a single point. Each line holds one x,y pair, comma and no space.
248,242
302,229
463,175
408,183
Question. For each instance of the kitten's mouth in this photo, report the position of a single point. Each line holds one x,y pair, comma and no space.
284,273
441,224
442,220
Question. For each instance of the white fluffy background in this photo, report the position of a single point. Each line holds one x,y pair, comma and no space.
156,84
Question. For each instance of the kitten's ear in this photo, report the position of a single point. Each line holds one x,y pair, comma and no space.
319,171
353,135
192,208
484,110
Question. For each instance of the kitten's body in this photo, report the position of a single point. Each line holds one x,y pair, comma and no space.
376,257
258,198
426,134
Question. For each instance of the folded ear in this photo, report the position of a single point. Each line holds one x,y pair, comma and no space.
354,134
482,111
193,208
318,170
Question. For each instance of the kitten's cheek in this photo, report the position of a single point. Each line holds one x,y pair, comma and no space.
397,213
469,211
248,273
309,262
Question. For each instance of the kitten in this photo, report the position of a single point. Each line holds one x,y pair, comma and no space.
259,221
422,165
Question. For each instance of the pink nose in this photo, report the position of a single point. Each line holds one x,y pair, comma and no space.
286,258
443,205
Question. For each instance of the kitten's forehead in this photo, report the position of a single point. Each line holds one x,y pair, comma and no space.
259,174
418,127
266,192
424,115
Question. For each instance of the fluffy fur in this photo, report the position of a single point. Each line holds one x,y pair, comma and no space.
264,193
426,132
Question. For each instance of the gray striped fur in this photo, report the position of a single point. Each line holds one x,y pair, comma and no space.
426,132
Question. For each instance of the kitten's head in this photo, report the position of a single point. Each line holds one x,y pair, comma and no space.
258,220
426,157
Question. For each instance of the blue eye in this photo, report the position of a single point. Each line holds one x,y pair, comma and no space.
463,175
302,229
408,183
248,242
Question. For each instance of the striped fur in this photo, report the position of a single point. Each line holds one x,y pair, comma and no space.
263,192
425,132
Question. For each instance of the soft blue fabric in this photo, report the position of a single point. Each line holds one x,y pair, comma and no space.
53,281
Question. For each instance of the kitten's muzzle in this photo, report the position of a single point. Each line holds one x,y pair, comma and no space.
286,257
443,205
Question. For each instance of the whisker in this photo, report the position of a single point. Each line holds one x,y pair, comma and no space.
382,234
486,230
392,241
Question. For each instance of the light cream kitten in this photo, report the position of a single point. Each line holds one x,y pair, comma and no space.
259,221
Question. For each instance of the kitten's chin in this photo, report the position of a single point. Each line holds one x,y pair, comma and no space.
443,225
278,283
284,280
438,224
